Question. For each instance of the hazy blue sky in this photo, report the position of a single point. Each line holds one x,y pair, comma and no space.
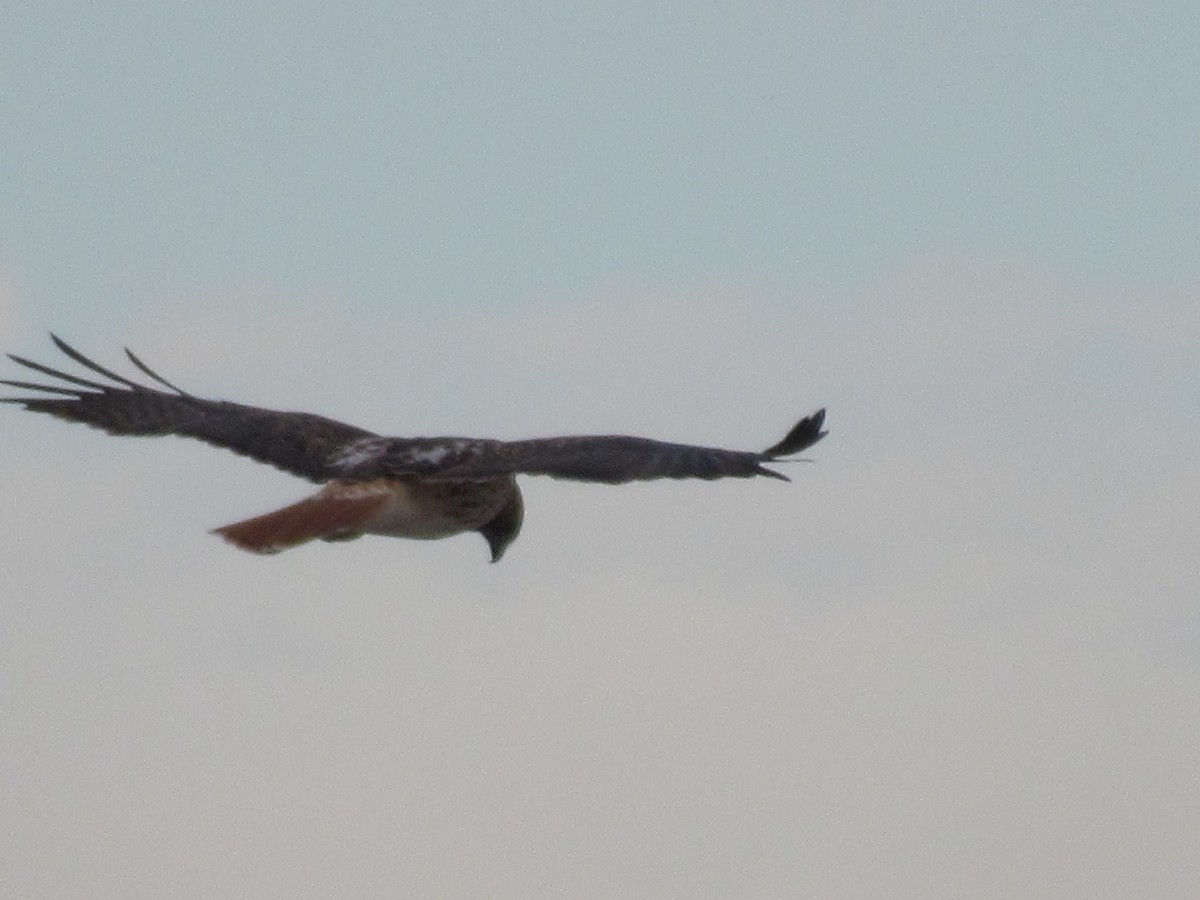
959,656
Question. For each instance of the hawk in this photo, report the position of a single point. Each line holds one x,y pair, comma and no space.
419,487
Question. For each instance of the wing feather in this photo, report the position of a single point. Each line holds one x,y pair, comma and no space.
152,374
322,449
616,459
301,443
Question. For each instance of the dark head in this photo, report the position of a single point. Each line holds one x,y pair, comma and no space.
502,529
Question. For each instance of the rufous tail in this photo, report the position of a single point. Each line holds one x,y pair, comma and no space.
333,514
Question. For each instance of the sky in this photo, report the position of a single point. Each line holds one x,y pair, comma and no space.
959,655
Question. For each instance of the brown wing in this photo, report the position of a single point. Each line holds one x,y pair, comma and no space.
300,443
615,459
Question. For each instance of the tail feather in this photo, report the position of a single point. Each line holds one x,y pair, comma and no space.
337,512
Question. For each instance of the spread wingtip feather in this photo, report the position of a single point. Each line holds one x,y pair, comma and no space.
803,435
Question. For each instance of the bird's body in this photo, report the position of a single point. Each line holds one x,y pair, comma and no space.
424,487
347,509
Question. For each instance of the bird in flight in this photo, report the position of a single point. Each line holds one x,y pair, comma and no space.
420,487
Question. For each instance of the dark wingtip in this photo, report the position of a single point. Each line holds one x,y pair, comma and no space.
78,357
803,435
771,473
152,374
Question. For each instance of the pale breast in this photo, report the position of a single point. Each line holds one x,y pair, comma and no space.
437,509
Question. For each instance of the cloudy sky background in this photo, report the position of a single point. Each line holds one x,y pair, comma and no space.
959,656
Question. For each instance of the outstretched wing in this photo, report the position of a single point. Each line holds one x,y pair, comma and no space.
300,443
615,459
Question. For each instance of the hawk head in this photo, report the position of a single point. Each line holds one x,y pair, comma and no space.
502,529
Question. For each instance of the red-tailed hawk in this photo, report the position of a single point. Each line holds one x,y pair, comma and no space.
424,487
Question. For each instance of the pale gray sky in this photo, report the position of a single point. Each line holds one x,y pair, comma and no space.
958,657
